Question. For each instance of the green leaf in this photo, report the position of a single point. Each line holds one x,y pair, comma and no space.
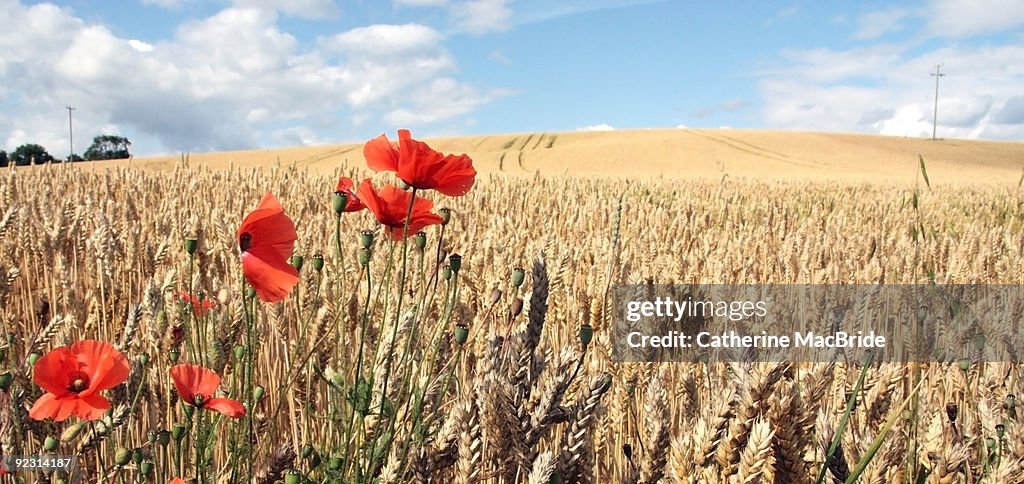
924,172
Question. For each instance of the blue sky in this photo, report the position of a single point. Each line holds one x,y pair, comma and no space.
193,75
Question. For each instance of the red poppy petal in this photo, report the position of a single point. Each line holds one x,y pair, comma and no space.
177,480
106,367
45,407
227,406
457,177
190,380
269,226
345,184
51,371
380,154
91,407
272,277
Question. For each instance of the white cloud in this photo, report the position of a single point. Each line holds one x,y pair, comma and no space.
312,9
873,25
962,18
597,127
232,80
482,16
886,89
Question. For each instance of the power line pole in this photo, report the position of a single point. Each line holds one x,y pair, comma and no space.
935,116
71,135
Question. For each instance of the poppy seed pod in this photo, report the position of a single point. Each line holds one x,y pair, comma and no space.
318,262
366,238
50,444
3,355
6,378
33,358
518,276
146,467
446,215
455,262
258,392
137,455
191,244
297,261
151,435
420,239
1000,430
952,410
364,257
163,437
586,334
1011,400
461,333
314,460
517,307
495,296
250,291
173,355
335,463
144,359
122,456
178,432
446,272
965,364
307,450
340,202
239,352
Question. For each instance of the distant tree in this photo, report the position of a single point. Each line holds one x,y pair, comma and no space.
30,153
3,159
108,147
75,157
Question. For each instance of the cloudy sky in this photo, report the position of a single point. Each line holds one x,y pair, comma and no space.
200,75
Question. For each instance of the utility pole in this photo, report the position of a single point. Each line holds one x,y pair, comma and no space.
71,135
935,116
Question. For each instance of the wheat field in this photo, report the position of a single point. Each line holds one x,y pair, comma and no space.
360,375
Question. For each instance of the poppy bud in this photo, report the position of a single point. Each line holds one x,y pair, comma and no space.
340,202
6,378
446,215
292,477
297,261
178,432
420,239
455,262
71,432
239,352
364,257
144,359
366,238
174,354
306,451
517,307
461,334
50,444
518,275
146,467
122,456
446,272
258,392
251,292
965,364
32,358
318,262
163,437
191,244
586,334
335,463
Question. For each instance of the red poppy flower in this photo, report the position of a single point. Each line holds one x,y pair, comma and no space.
391,204
196,386
266,239
177,480
73,377
200,306
346,186
420,166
